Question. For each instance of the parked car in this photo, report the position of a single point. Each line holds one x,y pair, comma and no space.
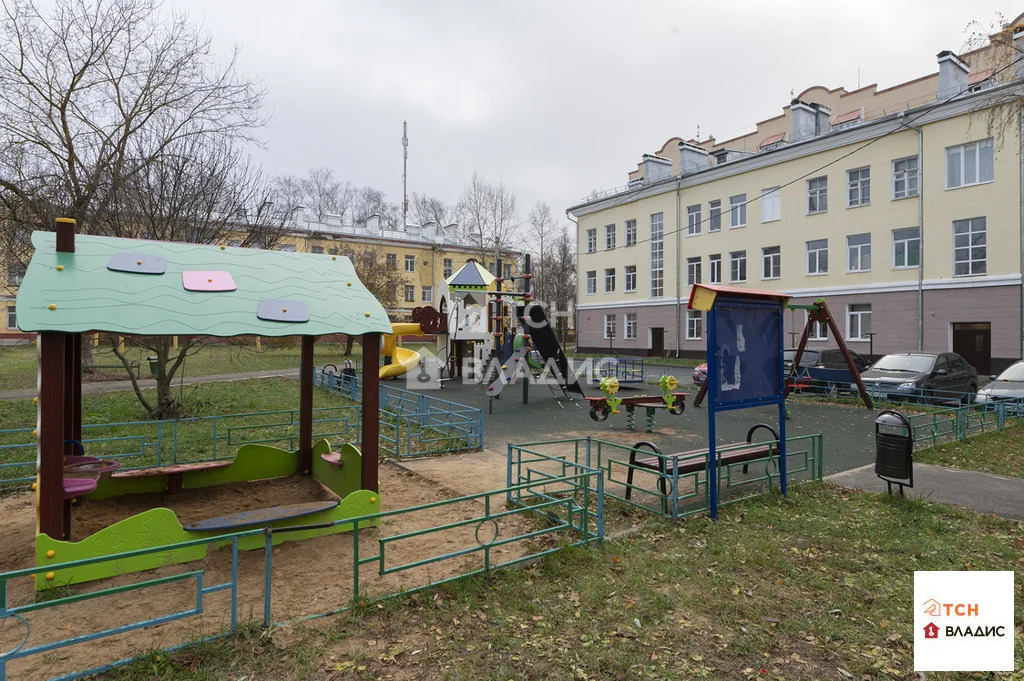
1008,385
829,358
921,376
827,369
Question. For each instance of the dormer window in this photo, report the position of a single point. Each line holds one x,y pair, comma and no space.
848,119
982,80
772,142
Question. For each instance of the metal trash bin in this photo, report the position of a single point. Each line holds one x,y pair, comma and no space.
153,364
894,448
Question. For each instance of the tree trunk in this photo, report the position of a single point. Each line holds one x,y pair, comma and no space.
348,344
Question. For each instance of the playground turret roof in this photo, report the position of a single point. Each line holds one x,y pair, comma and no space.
157,288
702,296
470,276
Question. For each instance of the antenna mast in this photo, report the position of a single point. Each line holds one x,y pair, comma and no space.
405,163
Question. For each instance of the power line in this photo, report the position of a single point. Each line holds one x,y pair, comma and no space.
626,199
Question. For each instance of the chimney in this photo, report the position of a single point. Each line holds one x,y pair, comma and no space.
691,158
804,120
952,75
822,119
656,168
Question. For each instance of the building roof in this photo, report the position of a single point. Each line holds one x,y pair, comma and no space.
979,76
848,116
471,275
156,288
772,139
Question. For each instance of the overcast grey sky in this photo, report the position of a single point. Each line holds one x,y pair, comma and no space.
554,98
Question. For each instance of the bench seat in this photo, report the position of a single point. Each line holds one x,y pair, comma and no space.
173,472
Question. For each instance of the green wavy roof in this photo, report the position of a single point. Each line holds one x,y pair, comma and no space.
90,297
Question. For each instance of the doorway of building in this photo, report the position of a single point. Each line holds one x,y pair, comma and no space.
657,341
974,342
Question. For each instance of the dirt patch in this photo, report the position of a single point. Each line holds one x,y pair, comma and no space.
308,577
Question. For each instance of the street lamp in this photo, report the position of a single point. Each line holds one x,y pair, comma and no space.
871,344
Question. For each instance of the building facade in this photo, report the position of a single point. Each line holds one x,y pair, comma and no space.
900,207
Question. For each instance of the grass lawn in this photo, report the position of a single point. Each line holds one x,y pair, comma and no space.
1000,452
18,363
819,586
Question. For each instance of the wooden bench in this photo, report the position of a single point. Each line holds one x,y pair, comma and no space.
173,472
697,459
260,516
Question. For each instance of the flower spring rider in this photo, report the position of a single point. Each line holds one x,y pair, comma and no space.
668,385
610,386
602,407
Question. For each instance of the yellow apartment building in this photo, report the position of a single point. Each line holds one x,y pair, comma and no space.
900,207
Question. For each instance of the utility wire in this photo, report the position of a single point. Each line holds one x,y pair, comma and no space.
817,170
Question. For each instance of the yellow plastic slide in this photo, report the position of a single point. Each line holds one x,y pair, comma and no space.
402,359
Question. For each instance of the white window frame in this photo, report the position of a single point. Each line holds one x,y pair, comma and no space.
818,331
736,258
771,204
771,262
629,326
862,184
850,312
714,215
817,194
592,240
15,273
907,177
976,266
715,268
12,314
286,248
591,279
905,242
693,271
629,279
693,220
410,289
657,255
860,248
630,233
816,252
694,325
410,263
609,327
609,280
609,237
448,266
316,249
737,211
427,294
975,149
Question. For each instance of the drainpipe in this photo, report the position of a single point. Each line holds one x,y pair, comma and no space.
920,229
679,244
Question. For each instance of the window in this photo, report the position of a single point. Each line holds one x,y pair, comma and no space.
609,280
630,330
906,247
592,240
609,326
714,216
969,244
507,271
410,263
287,248
771,262
591,282
904,178
817,195
817,256
771,204
858,186
449,267
858,321
969,164
12,317
693,220
657,254
609,237
630,278
15,273
818,330
694,325
715,268
858,247
316,249
738,211
428,294
692,271
410,293
391,260
738,266
630,232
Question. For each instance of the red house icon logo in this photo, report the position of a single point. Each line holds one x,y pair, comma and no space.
931,630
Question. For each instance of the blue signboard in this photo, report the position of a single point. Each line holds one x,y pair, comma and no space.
747,353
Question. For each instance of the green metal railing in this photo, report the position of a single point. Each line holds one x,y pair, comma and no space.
966,421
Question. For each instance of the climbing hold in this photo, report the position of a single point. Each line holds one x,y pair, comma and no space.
284,309
51,575
51,553
52,306
210,281
60,268
223,247
138,262
348,284
334,257
367,314
35,400
35,433
35,486
373,500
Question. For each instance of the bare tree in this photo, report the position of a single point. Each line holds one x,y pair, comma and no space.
431,209
998,47
542,224
369,201
559,267
324,194
289,193
490,219
379,279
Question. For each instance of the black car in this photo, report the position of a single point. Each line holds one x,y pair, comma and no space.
1008,385
922,377
830,358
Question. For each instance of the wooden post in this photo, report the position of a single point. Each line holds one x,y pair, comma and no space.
65,228
371,411
50,433
259,344
174,342
306,406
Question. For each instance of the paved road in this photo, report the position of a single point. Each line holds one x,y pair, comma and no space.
982,492
116,386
